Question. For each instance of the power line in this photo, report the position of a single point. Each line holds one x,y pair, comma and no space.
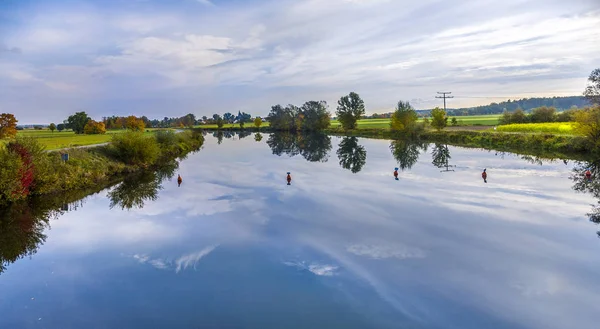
444,93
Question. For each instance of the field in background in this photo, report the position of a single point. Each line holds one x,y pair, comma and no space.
58,140
473,120
568,128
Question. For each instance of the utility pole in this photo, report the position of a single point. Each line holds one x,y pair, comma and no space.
444,97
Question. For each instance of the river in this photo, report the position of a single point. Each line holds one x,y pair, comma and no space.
344,245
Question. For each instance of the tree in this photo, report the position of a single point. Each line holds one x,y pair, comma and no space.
78,121
204,119
189,120
352,156
52,127
592,91
258,122
350,109
588,121
314,116
60,127
439,120
134,124
228,117
518,116
8,125
454,122
94,128
543,114
404,119
218,121
241,123
283,118
258,137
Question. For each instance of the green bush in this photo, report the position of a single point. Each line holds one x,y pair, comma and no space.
135,149
10,165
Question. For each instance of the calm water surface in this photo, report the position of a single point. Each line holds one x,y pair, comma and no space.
344,246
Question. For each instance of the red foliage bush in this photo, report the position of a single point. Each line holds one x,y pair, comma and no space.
26,173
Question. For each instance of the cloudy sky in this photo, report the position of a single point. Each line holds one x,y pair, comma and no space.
171,57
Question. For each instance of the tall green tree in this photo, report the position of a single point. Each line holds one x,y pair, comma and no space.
592,91
350,109
283,118
404,119
439,120
60,127
352,156
78,121
52,127
315,116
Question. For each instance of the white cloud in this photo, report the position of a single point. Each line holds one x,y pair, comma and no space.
315,268
385,251
292,51
190,260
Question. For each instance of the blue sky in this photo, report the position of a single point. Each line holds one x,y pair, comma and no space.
169,58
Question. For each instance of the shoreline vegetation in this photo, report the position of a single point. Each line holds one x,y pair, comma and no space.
28,171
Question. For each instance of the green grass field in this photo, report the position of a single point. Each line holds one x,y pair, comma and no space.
474,120
566,128
57,140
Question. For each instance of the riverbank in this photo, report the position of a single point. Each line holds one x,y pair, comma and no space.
29,171
537,144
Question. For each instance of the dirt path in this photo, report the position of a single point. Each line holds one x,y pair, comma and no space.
78,147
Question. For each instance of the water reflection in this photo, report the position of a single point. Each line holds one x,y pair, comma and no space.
234,248
139,188
313,147
586,179
440,157
407,152
352,156
23,224
243,134
258,137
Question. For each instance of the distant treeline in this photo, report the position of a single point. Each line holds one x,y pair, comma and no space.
525,104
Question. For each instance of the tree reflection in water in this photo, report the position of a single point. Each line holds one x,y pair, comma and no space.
407,152
139,188
258,137
243,134
313,147
352,156
591,185
22,224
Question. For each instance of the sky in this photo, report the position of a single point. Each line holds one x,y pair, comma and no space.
172,57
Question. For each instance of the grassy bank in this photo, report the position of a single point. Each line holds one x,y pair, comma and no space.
544,145
27,170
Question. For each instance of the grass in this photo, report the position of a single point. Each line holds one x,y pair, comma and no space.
564,128
472,120
58,140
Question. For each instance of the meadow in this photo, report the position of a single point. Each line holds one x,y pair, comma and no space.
561,128
473,120
65,139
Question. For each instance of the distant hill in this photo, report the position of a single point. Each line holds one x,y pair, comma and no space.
527,104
